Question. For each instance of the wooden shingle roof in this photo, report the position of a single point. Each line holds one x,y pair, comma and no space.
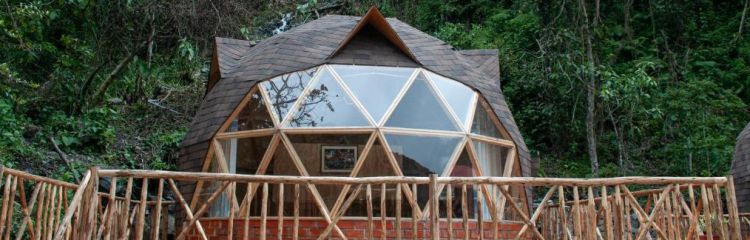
741,170
242,65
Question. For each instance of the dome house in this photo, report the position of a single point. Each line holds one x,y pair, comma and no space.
352,97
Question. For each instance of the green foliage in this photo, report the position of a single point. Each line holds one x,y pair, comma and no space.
672,85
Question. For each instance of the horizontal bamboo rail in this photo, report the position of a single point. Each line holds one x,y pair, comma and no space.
527,181
138,204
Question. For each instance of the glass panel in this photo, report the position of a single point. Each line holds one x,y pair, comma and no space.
421,156
458,96
329,155
244,156
327,105
284,90
483,124
491,159
282,164
421,108
254,115
463,168
375,87
377,164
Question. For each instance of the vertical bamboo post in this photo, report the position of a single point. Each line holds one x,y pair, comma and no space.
414,211
280,220
231,196
368,196
295,228
592,214
264,211
720,212
465,211
734,220
111,205
398,213
480,213
707,212
577,214
434,207
449,209
9,224
6,197
383,222
128,193
561,209
157,220
607,213
496,212
142,210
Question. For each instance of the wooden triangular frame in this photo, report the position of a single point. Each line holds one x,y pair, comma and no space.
374,18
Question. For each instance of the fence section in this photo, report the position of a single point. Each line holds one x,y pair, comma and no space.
139,204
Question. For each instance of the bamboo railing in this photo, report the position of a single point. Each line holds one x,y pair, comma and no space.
133,204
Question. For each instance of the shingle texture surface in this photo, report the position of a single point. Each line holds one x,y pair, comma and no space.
243,65
741,170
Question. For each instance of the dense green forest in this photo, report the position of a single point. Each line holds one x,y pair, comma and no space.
650,87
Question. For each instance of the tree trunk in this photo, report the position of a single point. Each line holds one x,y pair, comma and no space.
590,93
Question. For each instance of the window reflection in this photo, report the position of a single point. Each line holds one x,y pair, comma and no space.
327,105
483,124
284,90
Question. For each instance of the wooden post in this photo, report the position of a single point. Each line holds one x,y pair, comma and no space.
295,228
414,212
398,213
734,220
449,209
577,215
142,211
561,209
383,223
368,196
264,212
280,215
157,220
231,193
434,207
465,211
65,222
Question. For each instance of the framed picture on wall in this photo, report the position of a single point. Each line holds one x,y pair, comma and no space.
338,159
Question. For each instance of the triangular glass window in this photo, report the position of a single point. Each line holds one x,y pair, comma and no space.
254,115
457,95
421,108
282,164
327,105
374,87
463,168
483,124
284,90
376,164
329,155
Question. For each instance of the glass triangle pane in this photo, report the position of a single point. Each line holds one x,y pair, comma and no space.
422,155
457,95
377,164
284,90
374,87
282,164
463,168
254,115
483,124
329,155
491,158
421,108
327,105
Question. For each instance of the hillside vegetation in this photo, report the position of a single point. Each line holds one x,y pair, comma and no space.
651,87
